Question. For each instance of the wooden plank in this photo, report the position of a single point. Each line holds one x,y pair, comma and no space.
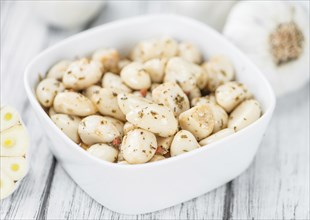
277,184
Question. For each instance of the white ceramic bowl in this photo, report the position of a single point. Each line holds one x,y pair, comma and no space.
135,189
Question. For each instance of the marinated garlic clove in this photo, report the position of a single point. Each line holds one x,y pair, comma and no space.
134,76
156,69
184,141
14,141
128,127
163,144
7,185
157,158
51,111
171,95
96,129
164,47
117,123
219,70
122,63
107,104
113,81
82,74
9,117
139,146
103,152
128,102
155,118
217,136
14,167
90,91
109,59
58,70
47,90
73,103
68,124
198,120
194,93
219,115
230,94
204,100
190,52
188,75
244,114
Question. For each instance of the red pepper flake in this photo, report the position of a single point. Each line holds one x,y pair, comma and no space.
160,150
143,92
116,142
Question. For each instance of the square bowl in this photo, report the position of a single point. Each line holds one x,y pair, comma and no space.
149,187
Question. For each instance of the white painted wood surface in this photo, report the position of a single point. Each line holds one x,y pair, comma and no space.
276,186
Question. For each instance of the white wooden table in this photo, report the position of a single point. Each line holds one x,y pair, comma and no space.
276,186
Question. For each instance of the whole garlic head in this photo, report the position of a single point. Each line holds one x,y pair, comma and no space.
275,35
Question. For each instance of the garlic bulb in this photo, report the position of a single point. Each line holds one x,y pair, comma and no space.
275,35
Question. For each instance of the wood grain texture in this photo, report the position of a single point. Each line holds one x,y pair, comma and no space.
276,186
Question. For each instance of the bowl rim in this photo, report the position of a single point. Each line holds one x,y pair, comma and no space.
136,19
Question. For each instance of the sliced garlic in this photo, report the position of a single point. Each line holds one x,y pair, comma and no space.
103,152
139,146
143,94
96,129
68,124
14,167
9,117
14,141
198,120
217,136
7,185
184,141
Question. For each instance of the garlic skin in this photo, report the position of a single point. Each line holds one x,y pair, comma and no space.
275,36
